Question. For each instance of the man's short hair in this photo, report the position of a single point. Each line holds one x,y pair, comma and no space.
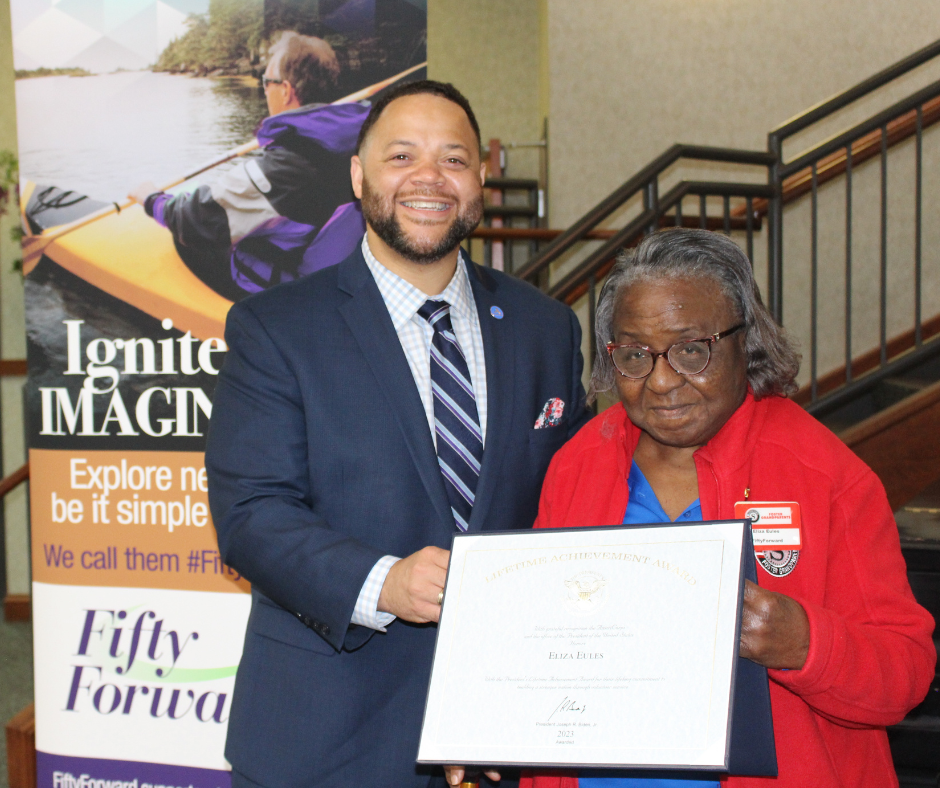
424,86
309,64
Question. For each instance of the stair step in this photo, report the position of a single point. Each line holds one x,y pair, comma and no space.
510,183
893,390
508,211
919,528
884,395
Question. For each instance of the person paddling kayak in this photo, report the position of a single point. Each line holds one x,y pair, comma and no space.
289,211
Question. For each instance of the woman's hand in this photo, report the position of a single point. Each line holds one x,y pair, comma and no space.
455,775
774,629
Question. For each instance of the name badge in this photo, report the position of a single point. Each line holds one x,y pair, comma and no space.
775,525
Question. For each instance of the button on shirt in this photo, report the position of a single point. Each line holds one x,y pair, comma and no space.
403,299
644,507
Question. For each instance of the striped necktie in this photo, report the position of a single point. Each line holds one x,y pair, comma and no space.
456,421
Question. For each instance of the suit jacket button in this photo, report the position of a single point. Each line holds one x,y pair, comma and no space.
324,629
306,621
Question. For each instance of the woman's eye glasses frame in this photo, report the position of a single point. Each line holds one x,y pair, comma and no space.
707,341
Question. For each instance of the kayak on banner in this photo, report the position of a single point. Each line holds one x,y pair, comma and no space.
124,253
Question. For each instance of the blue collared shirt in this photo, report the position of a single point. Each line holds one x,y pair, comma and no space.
644,507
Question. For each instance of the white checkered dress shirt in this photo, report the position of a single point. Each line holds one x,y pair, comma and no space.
403,300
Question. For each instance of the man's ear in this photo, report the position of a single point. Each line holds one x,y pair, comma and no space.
483,173
355,175
293,101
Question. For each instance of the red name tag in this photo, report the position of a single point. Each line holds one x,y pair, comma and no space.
775,525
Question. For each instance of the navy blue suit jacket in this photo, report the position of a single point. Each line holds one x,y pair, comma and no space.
320,462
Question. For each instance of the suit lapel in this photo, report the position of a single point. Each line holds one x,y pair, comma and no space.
499,355
369,322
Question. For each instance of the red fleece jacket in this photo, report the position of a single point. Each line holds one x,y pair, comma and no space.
871,657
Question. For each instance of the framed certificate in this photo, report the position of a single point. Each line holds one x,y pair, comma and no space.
595,647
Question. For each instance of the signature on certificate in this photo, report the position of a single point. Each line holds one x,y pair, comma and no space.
568,705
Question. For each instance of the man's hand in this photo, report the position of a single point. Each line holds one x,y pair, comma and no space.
455,775
141,192
413,586
774,629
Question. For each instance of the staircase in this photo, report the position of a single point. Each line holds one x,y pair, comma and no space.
869,362
839,235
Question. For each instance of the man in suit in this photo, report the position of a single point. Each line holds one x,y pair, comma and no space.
365,414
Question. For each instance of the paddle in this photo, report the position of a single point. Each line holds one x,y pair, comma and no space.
34,245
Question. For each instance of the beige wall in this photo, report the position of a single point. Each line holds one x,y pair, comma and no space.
12,339
628,79
490,50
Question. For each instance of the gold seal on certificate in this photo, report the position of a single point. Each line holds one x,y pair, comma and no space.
586,592
601,647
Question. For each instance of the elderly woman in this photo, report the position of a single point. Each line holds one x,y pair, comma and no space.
702,371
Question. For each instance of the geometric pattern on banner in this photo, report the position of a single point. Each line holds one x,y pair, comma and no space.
171,20
98,35
107,55
103,15
22,12
138,33
188,6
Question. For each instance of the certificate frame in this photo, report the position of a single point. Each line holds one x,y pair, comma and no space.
442,743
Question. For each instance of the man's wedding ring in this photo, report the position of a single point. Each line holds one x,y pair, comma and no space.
440,598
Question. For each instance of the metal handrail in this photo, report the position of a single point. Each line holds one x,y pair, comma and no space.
865,147
801,176
836,156
568,288
839,141
802,121
824,405
578,230
840,100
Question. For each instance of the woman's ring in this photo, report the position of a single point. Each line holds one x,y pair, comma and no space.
440,597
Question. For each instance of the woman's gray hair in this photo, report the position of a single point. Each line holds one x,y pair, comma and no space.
772,361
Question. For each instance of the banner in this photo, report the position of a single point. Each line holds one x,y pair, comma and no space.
138,623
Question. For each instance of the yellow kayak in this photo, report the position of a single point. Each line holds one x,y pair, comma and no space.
131,257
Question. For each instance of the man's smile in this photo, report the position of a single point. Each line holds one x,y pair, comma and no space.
425,205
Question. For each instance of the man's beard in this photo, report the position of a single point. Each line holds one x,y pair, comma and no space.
379,213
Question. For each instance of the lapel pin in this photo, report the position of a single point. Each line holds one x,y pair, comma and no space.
496,312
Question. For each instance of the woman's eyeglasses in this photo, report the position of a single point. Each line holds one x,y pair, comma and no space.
688,357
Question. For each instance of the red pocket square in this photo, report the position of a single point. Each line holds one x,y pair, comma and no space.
551,414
